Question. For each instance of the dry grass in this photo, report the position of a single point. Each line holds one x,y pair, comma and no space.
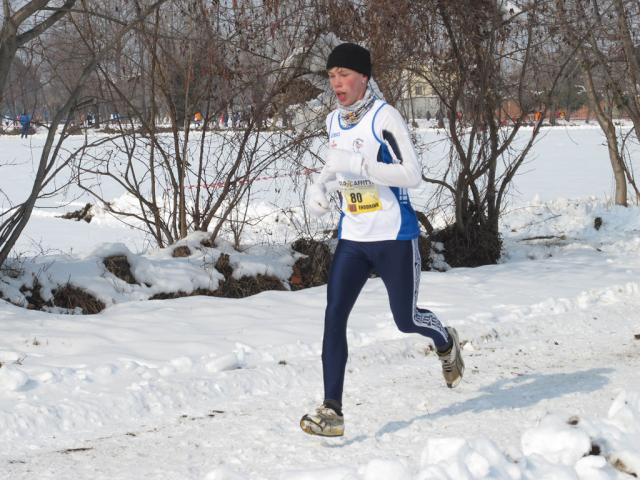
119,266
313,269
245,286
72,297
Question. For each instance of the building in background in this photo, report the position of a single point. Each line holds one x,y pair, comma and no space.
418,101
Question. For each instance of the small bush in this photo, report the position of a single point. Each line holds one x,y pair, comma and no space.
119,266
181,294
597,223
208,243
71,297
478,246
34,299
81,214
245,286
313,269
181,251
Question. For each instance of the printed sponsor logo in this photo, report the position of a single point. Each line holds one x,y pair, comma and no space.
354,183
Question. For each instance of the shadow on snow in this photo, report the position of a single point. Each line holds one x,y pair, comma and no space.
519,392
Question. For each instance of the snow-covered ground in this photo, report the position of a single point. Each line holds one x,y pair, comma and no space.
213,389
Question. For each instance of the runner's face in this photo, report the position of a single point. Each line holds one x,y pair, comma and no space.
348,85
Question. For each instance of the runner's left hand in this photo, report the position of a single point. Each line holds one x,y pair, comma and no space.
343,161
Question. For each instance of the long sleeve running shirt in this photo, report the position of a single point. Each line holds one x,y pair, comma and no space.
375,205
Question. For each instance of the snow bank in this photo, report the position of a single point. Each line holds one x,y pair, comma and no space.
155,273
556,449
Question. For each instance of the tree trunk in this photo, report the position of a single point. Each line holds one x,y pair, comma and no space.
605,120
616,161
8,49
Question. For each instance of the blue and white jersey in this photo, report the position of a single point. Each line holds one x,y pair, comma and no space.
375,206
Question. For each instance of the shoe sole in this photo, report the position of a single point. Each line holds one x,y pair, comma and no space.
309,426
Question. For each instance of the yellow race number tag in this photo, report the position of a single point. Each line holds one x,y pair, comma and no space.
360,196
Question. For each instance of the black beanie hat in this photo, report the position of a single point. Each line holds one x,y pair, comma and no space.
350,55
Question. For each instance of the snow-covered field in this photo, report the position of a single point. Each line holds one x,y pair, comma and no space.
213,389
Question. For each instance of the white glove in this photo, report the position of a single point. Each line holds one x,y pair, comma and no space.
343,161
317,202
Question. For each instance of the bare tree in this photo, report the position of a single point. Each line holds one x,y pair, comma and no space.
24,25
487,61
605,36
224,62
590,37
51,163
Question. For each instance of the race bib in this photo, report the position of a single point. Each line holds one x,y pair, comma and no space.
360,196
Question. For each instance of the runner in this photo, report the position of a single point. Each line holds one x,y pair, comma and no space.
372,158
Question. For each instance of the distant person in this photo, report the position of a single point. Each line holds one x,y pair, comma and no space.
197,118
25,121
373,160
